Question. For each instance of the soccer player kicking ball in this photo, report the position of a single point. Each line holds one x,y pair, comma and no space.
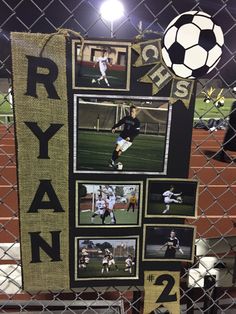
130,131
168,198
103,62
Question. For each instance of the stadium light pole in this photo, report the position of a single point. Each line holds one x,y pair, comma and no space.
112,10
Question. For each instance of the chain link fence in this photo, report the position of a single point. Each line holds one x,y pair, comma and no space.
207,286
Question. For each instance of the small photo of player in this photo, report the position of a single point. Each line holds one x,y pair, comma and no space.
107,203
171,197
101,65
169,242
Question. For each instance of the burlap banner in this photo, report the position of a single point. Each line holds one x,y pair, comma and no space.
161,289
41,117
160,75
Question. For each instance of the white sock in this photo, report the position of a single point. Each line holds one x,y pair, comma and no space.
106,81
167,209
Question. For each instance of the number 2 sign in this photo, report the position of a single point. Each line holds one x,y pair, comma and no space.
161,289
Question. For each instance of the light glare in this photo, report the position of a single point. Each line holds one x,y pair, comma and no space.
112,10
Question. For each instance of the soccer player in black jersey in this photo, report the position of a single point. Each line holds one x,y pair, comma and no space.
172,245
130,131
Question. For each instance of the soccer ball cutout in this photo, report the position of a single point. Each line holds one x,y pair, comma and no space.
192,44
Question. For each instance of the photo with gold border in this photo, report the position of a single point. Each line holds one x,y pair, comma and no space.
106,258
171,197
168,242
102,65
103,204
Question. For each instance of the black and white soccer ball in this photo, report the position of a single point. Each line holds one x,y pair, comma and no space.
119,166
179,199
192,44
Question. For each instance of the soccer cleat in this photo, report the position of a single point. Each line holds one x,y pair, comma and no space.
165,211
112,164
108,85
98,82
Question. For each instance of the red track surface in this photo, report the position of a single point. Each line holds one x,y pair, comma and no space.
217,201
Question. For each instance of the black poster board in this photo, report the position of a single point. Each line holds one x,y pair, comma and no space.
87,141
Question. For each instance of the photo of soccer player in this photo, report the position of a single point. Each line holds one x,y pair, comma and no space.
171,246
107,257
101,65
102,204
121,134
171,197
168,242
101,210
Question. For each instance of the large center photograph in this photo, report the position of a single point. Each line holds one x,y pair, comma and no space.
125,134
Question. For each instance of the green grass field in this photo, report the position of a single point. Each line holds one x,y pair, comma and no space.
207,111
95,150
122,218
4,108
116,79
4,104
156,208
94,267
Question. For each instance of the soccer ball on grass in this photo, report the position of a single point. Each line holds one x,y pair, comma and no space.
119,166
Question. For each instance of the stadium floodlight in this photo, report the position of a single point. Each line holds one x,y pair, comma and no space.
112,10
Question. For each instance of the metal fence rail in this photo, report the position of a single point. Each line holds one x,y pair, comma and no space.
208,285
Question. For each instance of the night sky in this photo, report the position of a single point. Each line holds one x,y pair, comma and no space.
46,16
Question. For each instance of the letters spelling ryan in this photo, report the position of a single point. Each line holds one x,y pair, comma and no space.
44,137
